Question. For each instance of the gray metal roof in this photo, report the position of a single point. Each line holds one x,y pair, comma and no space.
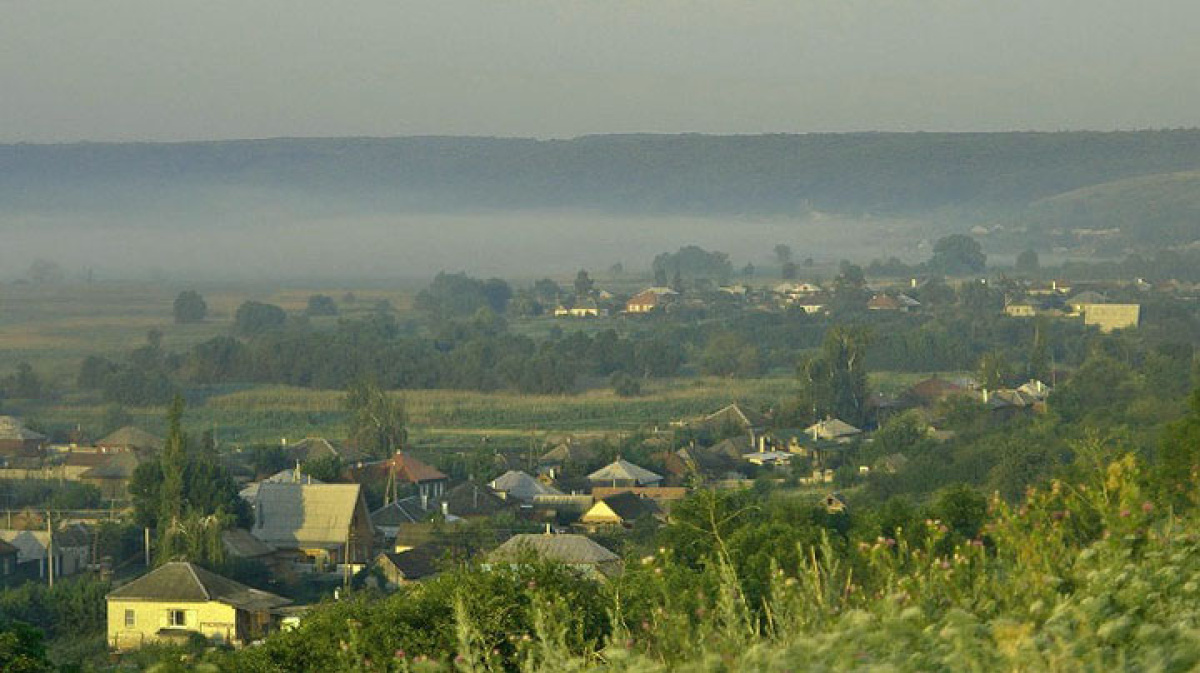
290,515
572,549
186,582
623,470
520,486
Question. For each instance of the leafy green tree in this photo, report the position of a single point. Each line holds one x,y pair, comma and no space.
321,305
993,372
691,263
26,384
498,294
957,255
1027,262
376,420
1179,453
186,496
731,355
454,295
190,307
783,253
253,318
21,648
583,284
835,382
326,468
625,385
962,509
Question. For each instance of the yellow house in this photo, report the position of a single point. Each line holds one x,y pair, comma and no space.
178,600
622,509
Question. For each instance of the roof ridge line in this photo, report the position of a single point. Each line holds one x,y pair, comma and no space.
192,569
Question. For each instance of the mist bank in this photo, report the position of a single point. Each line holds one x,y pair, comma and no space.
343,208
515,245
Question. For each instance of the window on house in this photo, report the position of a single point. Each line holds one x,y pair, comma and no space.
130,619
176,618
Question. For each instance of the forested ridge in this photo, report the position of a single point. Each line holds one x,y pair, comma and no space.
875,173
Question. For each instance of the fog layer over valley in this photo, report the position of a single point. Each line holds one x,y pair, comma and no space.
282,245
408,207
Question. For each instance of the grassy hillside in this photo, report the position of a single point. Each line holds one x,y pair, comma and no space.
1159,209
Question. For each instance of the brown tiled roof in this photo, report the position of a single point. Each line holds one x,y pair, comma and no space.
415,471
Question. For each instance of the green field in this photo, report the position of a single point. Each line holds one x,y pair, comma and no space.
54,328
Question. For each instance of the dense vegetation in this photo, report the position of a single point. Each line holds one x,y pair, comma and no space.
1093,566
768,174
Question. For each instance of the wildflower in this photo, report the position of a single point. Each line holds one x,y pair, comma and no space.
945,565
647,560
645,625
1147,507
943,529
460,658
890,542
976,542
531,584
399,654
789,581
1124,514
1057,516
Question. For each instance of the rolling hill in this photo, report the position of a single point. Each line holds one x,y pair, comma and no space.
868,173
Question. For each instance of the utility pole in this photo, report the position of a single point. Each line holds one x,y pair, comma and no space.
146,544
50,549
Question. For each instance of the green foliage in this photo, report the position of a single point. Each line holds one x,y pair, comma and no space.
326,468
24,383
252,318
1027,262
187,497
692,263
834,383
957,255
376,419
189,307
457,295
21,648
625,385
321,305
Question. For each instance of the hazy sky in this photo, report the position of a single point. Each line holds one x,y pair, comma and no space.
155,69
